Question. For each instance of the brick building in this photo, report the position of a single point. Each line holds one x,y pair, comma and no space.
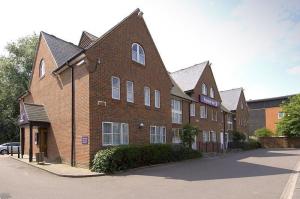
234,100
265,113
113,90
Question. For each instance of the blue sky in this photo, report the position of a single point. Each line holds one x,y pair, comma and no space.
251,43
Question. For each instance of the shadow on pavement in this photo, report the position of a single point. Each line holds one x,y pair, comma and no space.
228,166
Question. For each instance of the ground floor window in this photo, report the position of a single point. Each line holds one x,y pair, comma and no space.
206,137
114,133
157,134
176,135
213,136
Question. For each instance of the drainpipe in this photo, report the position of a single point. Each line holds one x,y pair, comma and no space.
73,158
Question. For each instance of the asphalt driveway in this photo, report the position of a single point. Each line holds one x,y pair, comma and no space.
253,174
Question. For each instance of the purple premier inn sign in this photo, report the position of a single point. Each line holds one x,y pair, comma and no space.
209,101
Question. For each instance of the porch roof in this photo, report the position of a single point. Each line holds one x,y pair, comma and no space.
33,113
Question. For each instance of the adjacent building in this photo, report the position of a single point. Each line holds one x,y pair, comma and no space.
265,113
234,100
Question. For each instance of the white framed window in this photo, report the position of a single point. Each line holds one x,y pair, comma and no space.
157,98
138,54
206,137
115,88
229,122
130,93
281,115
203,112
176,135
147,96
176,111
114,133
157,134
213,136
192,109
42,68
212,93
204,89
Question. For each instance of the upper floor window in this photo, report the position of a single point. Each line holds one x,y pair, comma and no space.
157,99
192,109
138,54
42,68
176,111
242,105
212,93
204,89
115,88
203,112
130,95
147,96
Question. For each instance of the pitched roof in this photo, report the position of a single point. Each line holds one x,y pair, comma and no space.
61,50
176,91
187,78
36,113
87,39
230,98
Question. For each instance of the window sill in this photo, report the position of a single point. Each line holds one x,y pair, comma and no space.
135,62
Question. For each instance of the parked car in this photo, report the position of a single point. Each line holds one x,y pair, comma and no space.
5,146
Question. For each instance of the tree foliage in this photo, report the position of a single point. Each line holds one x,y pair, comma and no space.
289,125
15,72
188,134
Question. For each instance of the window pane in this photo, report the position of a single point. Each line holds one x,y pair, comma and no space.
125,134
115,81
130,95
147,96
134,52
157,99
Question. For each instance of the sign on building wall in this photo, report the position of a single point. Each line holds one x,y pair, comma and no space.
85,140
209,101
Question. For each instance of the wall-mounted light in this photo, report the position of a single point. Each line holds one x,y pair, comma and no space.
141,125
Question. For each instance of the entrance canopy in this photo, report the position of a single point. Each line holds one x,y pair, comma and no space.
33,114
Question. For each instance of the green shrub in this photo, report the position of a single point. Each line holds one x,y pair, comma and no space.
252,144
238,137
263,132
125,157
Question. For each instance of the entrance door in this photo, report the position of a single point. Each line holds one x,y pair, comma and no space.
43,141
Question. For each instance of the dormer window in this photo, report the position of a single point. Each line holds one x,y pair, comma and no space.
204,89
42,69
212,93
138,54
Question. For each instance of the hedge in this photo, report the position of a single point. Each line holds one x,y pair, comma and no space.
125,157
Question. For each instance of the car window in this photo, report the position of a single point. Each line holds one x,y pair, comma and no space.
16,144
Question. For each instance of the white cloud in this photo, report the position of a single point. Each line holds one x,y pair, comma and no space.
294,70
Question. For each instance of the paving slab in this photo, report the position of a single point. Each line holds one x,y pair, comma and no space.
62,170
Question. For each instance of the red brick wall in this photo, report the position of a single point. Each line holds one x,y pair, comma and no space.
114,51
55,94
242,115
279,142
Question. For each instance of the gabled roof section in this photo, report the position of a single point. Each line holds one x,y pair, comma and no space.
230,98
135,12
87,39
61,50
176,91
32,113
187,78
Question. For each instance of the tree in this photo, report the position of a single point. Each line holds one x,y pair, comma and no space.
188,134
15,72
289,125
238,137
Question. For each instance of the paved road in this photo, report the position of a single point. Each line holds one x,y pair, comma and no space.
253,174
